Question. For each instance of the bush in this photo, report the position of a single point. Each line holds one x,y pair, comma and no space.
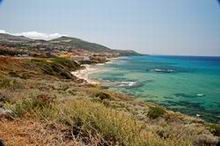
8,83
110,126
71,64
3,98
214,128
13,74
41,106
56,67
102,95
156,112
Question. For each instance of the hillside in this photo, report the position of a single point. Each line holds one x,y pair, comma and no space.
60,44
74,43
13,39
41,103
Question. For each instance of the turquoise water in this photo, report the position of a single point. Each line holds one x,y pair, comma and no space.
190,85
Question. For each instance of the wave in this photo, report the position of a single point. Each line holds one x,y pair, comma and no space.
127,84
200,95
189,95
122,84
161,70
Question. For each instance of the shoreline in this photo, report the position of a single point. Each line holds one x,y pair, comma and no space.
90,69
85,72
65,103
128,85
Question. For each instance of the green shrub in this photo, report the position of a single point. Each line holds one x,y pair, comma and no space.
41,106
13,74
102,95
71,64
111,127
19,75
12,84
155,112
4,98
214,128
56,67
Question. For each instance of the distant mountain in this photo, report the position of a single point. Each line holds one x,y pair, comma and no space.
62,43
127,53
70,42
11,38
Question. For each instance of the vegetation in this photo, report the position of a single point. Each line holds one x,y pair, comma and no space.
102,95
66,62
90,122
60,44
87,120
156,112
215,129
44,109
41,106
109,126
9,83
59,67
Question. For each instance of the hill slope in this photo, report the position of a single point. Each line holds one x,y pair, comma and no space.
41,103
62,43
10,38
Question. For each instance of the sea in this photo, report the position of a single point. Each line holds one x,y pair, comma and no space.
187,84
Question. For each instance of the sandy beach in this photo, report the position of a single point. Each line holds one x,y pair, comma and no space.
91,69
85,72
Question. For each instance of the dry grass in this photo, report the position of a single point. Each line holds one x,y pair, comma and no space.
89,120
110,126
10,83
51,111
25,132
92,122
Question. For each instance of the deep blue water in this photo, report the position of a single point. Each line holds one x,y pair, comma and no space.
190,85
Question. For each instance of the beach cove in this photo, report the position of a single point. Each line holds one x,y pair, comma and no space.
186,84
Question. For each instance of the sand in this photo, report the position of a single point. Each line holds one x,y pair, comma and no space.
85,72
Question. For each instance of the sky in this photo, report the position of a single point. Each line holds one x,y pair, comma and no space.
174,27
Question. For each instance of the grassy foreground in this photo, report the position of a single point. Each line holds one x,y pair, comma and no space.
42,104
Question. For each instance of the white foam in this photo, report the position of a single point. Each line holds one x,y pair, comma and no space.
162,70
84,73
200,95
127,84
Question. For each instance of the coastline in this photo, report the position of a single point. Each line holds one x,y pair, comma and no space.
85,72
65,102
90,69
135,86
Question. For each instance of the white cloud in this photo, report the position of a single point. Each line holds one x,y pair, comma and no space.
2,31
38,35
35,35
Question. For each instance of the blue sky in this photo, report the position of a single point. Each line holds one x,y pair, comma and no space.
180,27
